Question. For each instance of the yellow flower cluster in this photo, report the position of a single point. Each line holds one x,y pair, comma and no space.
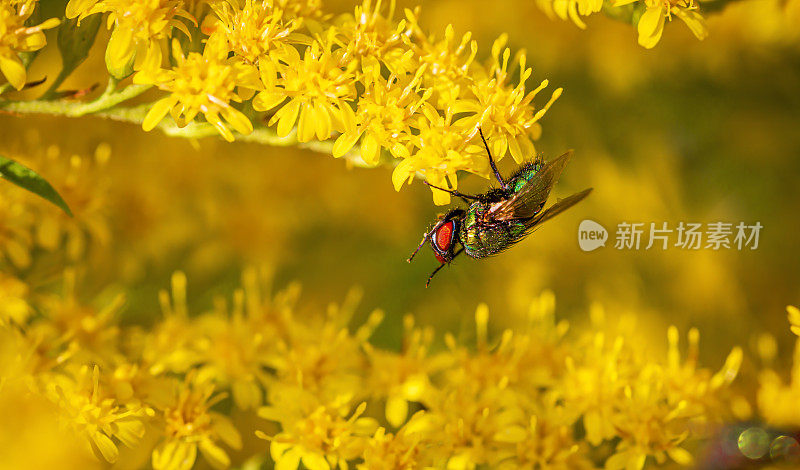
533,397
366,79
650,16
18,37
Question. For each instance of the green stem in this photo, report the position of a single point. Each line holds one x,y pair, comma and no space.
197,130
75,109
104,107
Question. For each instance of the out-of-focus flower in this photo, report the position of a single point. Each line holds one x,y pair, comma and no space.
17,37
141,28
650,23
775,398
321,436
202,83
190,425
98,417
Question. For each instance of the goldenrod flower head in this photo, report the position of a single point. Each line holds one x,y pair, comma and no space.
253,29
405,377
99,418
317,85
202,83
369,33
403,450
94,332
321,436
191,425
140,28
16,37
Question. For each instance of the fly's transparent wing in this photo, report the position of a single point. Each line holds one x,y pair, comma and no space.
528,201
560,206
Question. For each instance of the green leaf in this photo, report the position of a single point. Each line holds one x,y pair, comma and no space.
75,40
28,179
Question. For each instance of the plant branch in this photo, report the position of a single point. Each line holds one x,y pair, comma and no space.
104,107
107,100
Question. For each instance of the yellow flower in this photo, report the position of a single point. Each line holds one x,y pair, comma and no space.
319,435
234,352
189,425
16,37
403,450
168,347
91,413
651,24
404,377
253,29
141,27
317,85
91,332
386,113
202,83
439,157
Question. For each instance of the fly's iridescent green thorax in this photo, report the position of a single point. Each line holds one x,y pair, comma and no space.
499,218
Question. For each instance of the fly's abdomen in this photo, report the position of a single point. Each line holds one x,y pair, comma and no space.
481,239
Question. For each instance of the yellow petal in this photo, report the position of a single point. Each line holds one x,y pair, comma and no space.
288,460
214,454
13,70
157,112
694,20
344,143
370,150
681,456
396,410
77,7
266,100
305,125
237,120
288,116
227,431
106,447
324,124
651,26
315,462
402,173
120,49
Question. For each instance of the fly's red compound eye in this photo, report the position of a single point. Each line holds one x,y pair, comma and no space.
444,236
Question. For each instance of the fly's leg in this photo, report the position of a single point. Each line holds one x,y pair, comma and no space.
491,162
428,282
454,193
421,244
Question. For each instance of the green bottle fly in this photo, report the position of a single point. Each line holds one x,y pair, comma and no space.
501,217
